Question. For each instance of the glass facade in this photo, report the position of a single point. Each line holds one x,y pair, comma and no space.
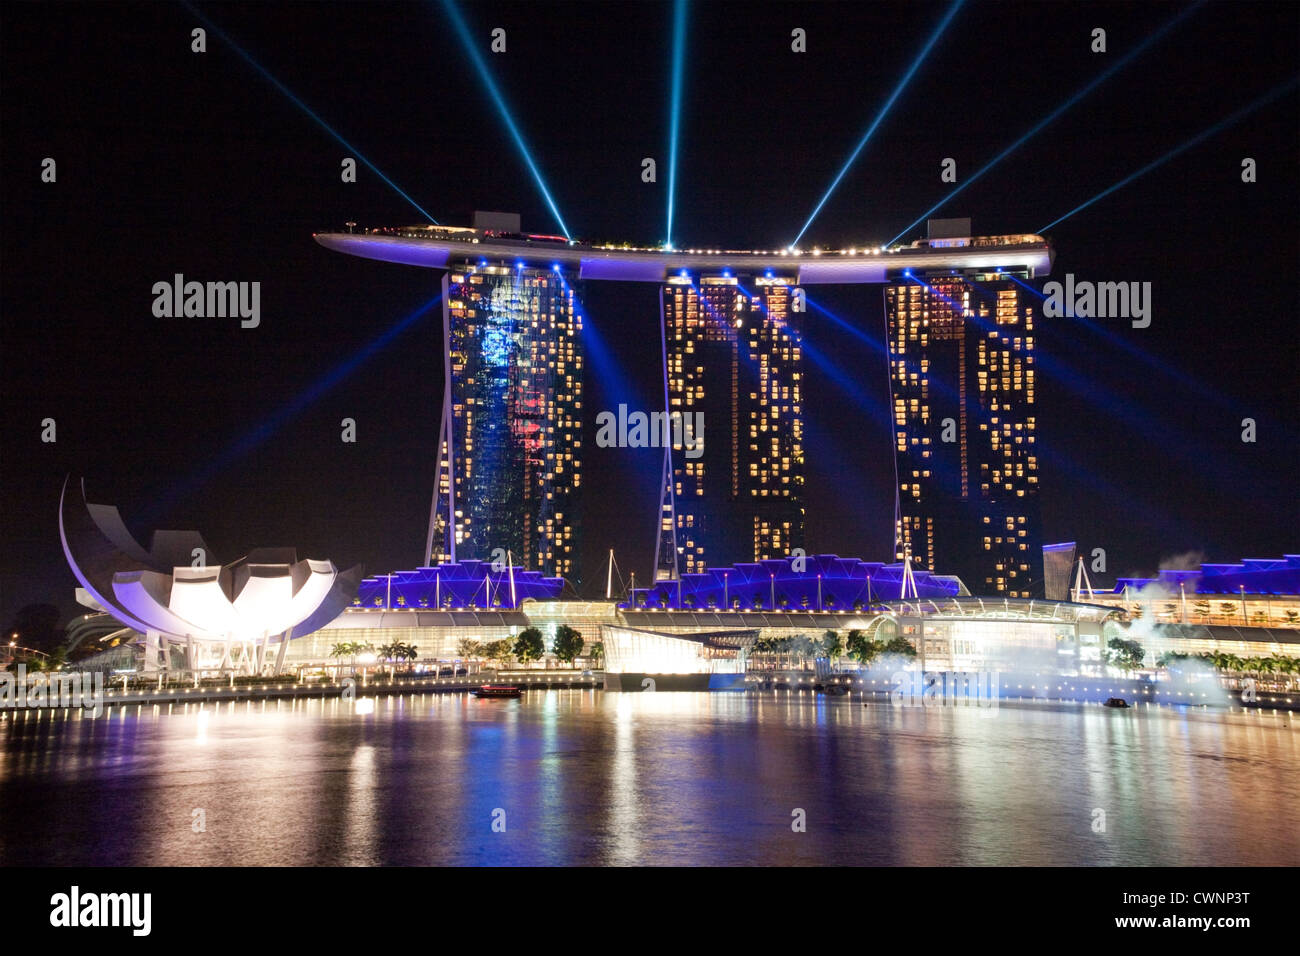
734,355
1002,645
1058,566
636,651
515,364
962,381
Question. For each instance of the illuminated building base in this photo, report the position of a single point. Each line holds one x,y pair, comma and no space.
637,659
678,682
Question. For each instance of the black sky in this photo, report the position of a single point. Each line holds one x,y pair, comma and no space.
170,161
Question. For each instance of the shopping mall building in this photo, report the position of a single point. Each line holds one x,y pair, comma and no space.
700,627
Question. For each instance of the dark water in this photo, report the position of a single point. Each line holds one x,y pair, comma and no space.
591,778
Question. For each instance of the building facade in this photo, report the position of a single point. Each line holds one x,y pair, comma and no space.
733,358
1255,593
1058,570
963,387
510,450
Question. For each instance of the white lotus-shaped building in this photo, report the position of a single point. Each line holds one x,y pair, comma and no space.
236,617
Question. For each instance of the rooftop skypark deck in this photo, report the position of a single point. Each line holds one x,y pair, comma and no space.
440,247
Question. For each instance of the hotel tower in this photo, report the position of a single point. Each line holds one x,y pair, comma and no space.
963,386
731,351
510,445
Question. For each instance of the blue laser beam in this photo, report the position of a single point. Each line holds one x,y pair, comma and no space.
1180,444
1122,344
875,344
1129,500
1200,137
846,381
1054,115
471,49
884,111
291,409
1072,380
600,357
293,98
675,105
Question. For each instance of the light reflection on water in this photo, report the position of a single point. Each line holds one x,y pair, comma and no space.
670,778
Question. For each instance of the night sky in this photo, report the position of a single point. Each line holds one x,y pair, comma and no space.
171,161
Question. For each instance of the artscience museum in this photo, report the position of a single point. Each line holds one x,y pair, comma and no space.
188,610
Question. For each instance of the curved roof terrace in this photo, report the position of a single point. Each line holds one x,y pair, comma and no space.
442,247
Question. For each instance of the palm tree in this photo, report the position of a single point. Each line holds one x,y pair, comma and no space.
387,653
346,649
358,648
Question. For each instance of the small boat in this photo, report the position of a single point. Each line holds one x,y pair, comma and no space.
1115,702
498,690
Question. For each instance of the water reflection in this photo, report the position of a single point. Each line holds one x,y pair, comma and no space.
581,777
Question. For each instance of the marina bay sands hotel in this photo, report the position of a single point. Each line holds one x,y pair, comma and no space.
960,334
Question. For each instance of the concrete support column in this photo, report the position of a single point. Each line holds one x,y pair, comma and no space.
284,648
151,641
